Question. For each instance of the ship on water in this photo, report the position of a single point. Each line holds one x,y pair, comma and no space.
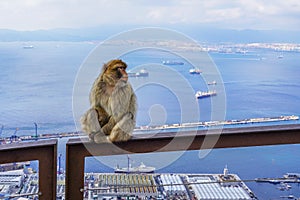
201,94
195,71
170,62
141,73
141,169
280,56
212,83
28,47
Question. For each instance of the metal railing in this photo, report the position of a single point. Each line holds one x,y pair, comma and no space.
77,150
45,151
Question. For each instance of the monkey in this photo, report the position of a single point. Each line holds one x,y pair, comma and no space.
112,115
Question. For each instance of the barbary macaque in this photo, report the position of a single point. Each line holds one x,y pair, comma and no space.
112,116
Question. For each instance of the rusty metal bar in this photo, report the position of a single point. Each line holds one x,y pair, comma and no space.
45,151
78,149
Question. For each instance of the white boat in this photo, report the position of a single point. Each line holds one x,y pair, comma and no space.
141,73
195,71
200,94
212,83
28,47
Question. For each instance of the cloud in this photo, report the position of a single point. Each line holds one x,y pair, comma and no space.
251,14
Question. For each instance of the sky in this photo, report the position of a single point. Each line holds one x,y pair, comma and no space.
231,14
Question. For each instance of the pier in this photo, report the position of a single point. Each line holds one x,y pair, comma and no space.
218,123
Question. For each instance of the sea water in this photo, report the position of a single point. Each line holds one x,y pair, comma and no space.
36,86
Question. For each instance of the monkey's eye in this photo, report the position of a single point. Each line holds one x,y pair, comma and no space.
121,67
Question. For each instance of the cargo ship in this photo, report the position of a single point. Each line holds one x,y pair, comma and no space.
141,169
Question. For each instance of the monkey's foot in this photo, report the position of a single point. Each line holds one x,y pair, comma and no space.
100,138
91,137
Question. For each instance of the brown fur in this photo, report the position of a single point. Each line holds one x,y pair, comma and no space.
113,105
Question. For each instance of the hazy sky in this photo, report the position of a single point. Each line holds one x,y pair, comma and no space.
237,14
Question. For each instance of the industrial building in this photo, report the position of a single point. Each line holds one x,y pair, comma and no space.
112,185
207,187
99,186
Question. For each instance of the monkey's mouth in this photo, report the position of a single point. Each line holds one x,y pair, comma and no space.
124,78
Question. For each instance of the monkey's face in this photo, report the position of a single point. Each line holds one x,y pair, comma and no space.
115,71
121,72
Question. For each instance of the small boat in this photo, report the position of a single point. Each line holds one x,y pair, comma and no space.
280,56
212,83
28,47
288,197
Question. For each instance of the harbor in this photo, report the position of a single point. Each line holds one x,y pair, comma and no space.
24,183
166,186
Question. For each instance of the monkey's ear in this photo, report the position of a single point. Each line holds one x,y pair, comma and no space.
104,68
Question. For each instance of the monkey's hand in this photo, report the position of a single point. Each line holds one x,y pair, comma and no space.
106,129
122,131
103,117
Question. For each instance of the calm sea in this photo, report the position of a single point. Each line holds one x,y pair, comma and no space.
36,86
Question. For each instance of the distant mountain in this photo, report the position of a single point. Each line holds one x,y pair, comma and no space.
199,33
62,34
39,35
245,36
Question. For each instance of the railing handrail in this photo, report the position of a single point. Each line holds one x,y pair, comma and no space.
29,144
263,131
78,149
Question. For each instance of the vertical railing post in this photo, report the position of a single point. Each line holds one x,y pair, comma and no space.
48,172
45,151
75,158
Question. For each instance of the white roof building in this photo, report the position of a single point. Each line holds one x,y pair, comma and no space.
172,183
12,178
208,188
